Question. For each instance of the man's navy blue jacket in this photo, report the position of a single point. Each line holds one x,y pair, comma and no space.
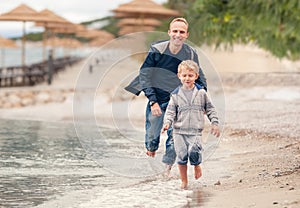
158,74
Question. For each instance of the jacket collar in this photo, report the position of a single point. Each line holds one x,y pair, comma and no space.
197,86
162,46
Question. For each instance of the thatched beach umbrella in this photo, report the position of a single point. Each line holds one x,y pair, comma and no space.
130,25
137,21
64,42
90,34
7,43
98,37
63,28
99,41
131,29
25,14
142,13
57,22
144,9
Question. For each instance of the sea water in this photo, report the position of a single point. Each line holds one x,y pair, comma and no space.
34,54
45,164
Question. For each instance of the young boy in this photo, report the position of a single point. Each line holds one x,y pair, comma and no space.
185,112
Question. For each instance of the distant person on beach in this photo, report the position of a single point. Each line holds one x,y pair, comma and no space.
185,112
158,78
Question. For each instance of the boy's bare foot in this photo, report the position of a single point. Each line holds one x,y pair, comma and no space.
198,171
150,154
184,185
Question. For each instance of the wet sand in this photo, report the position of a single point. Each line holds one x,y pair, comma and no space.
257,162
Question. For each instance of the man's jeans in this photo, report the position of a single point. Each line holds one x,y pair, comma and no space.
154,126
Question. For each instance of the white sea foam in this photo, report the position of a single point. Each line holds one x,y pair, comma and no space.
287,94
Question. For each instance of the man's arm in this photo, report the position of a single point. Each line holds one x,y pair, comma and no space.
145,75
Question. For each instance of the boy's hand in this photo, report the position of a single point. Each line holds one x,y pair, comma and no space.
166,127
215,130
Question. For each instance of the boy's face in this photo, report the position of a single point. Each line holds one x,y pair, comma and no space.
187,78
178,33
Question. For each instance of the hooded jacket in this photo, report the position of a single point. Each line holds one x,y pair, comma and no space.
158,74
187,117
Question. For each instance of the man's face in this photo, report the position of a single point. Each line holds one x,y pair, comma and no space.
178,33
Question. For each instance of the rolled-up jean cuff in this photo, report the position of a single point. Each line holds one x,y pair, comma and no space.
168,161
151,149
195,164
182,163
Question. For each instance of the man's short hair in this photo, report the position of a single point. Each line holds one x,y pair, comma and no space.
180,19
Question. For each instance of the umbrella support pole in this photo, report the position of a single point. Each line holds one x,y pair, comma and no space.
50,67
23,43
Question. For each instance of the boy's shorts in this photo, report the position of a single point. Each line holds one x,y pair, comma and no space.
188,147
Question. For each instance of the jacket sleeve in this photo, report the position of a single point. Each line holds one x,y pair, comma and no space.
171,111
145,75
210,110
201,80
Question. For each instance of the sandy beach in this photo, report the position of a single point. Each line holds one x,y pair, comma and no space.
257,161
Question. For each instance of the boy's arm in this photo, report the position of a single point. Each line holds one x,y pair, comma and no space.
215,130
211,111
170,114
201,78
212,116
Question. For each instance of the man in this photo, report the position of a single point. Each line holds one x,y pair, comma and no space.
158,78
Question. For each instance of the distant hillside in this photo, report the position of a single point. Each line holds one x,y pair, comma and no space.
107,23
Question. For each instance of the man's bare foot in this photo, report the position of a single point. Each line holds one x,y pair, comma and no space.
184,185
168,171
150,154
198,171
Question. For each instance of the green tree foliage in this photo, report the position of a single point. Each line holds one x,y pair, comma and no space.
31,37
111,25
272,25
180,5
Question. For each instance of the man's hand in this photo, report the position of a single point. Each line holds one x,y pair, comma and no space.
155,109
215,130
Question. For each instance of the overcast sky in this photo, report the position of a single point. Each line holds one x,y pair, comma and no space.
75,11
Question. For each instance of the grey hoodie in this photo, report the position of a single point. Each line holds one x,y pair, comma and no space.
187,117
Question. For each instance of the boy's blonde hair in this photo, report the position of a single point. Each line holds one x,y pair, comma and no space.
188,65
180,19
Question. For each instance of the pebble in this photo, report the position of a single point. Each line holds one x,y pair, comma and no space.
217,183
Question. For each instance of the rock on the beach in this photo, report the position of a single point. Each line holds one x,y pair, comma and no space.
16,99
13,99
27,101
58,97
42,97
26,94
